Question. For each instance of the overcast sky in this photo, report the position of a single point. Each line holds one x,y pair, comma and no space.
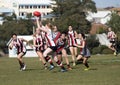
106,3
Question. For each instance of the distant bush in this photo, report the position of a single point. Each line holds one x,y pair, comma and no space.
107,51
96,50
101,50
92,42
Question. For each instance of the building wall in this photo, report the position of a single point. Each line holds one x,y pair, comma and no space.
21,10
105,20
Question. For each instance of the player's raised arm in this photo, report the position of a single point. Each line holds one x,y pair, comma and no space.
11,45
40,26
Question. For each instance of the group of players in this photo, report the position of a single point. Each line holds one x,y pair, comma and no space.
47,39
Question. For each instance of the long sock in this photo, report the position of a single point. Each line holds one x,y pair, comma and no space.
45,64
48,59
60,64
86,64
21,64
68,65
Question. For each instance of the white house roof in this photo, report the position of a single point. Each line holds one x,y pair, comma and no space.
6,10
99,14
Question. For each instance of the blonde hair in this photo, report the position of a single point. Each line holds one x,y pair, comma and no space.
50,25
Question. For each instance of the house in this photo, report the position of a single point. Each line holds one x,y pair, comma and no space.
6,11
24,7
30,51
117,10
99,17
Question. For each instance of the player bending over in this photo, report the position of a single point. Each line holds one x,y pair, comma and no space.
84,52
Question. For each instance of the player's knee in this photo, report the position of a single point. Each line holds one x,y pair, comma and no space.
44,54
18,58
84,62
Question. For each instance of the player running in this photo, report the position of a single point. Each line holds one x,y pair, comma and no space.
111,37
84,52
21,49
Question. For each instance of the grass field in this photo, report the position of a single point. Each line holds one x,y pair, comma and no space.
105,70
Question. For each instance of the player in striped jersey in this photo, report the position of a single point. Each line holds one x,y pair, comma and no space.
51,45
72,35
21,49
39,46
111,37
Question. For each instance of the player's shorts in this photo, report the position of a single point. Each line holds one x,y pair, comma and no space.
72,46
59,53
22,52
85,53
41,49
112,42
54,48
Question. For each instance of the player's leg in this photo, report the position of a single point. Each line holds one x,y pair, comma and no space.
22,64
42,58
47,58
79,57
59,56
85,63
110,46
75,51
60,64
66,59
72,54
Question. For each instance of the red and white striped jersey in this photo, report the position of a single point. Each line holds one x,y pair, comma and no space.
111,36
19,45
71,38
49,38
38,40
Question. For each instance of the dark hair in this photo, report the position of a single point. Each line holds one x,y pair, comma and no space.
83,35
14,34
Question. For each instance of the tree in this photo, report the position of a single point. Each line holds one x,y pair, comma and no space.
114,22
20,27
73,12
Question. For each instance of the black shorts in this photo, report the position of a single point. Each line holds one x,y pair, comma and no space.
59,53
72,46
21,52
40,51
113,42
54,48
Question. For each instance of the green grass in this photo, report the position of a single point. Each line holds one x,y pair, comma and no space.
105,70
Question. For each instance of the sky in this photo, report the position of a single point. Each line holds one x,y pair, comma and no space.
106,3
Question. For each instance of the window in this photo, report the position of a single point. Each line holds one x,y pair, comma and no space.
31,7
47,13
43,6
22,6
39,6
34,6
22,14
48,6
26,6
